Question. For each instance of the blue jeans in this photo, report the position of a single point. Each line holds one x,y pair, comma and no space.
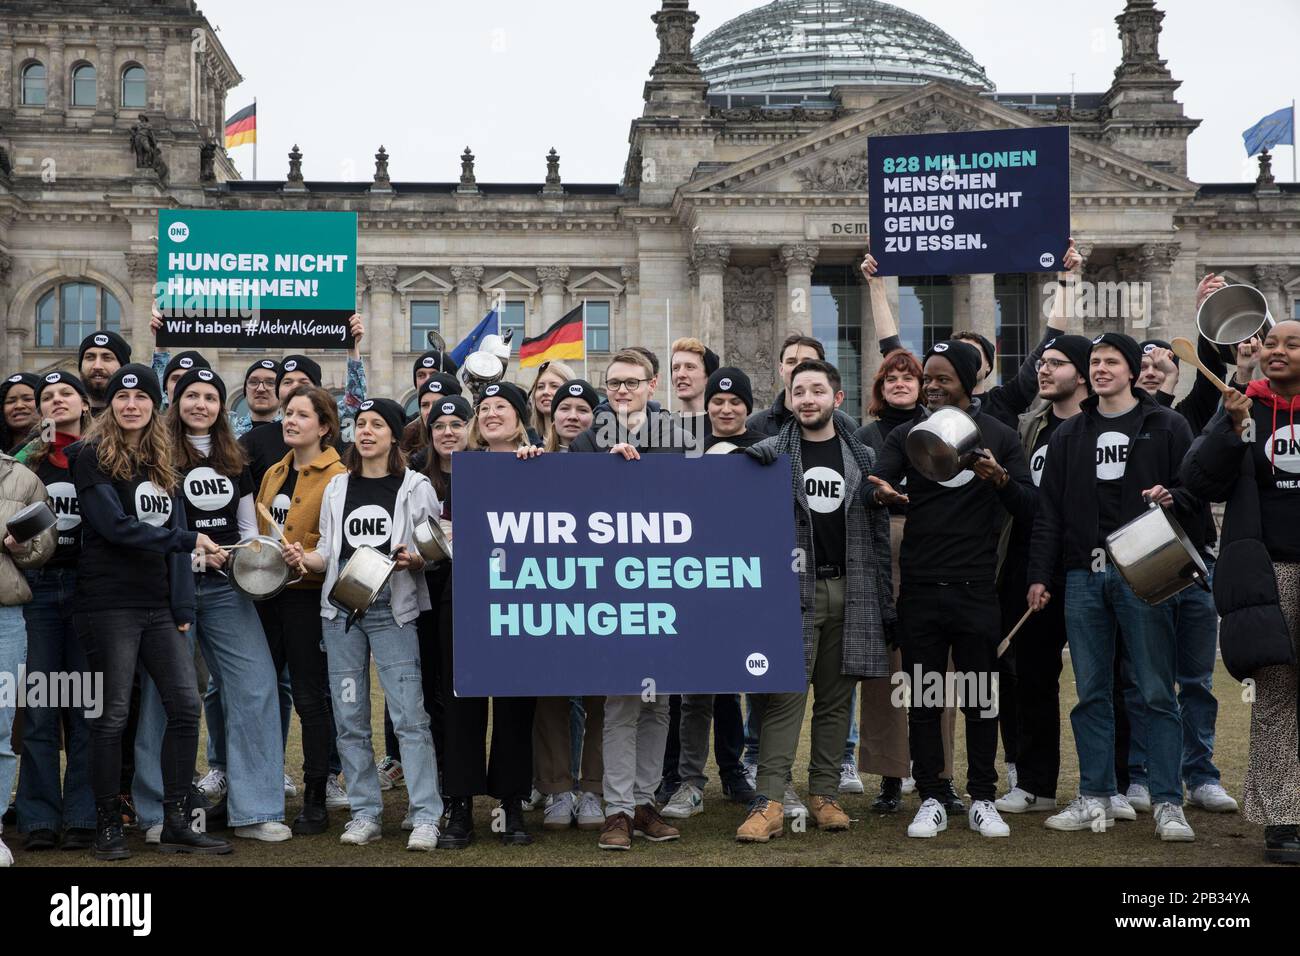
230,636
397,658
1196,624
46,801
1097,606
13,654
216,721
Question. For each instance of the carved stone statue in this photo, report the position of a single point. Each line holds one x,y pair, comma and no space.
381,168
207,162
148,154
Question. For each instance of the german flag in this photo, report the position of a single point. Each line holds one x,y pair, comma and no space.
242,127
561,341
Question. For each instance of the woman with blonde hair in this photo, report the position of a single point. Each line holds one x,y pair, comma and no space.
541,397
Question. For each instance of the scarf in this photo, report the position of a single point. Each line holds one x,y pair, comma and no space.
61,442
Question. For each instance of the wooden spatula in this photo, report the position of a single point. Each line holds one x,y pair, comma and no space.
1186,351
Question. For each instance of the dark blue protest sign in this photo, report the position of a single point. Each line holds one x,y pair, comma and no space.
588,574
970,203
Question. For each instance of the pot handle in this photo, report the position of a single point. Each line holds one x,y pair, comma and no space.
1204,585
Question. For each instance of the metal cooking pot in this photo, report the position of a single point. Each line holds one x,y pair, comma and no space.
944,445
257,569
31,521
1156,557
723,448
1232,315
433,543
360,582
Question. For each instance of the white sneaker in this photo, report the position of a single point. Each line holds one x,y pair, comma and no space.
984,819
1013,778
6,857
336,798
850,782
153,834
390,774
909,785
424,837
266,832
590,814
290,788
1083,813
1140,797
1122,809
751,775
686,802
791,804
930,820
1022,801
559,811
536,800
360,831
1212,797
1171,825
214,786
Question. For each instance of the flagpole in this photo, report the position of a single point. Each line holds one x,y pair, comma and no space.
668,345
585,375
1295,143
254,138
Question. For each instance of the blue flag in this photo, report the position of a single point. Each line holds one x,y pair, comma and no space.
1273,130
489,326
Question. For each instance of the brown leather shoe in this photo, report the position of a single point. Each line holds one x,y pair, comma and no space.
827,814
765,822
617,833
650,825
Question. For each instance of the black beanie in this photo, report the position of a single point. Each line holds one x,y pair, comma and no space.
298,363
105,340
988,348
440,383
389,411
730,381
513,394
1150,344
204,375
263,365
30,379
578,388
964,358
186,361
138,376
60,378
1074,347
457,405
711,361
1127,346
430,359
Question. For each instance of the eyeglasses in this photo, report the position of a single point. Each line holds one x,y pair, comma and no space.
631,384
259,385
440,428
1051,364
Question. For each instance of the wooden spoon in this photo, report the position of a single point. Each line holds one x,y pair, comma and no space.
265,512
1186,351
1006,641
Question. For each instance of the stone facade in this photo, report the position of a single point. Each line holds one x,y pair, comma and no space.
715,230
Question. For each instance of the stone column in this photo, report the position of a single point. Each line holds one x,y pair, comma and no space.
8,97
1157,261
380,328
799,259
1271,280
710,262
106,68
553,280
781,304
982,310
631,333
15,334
467,280
143,270
155,54
961,303
55,82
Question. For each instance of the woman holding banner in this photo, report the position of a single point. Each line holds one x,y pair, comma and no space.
541,397
573,409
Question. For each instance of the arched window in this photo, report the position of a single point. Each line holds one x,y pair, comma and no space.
83,85
34,84
133,87
68,313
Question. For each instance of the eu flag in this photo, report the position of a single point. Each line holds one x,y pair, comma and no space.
489,326
1273,130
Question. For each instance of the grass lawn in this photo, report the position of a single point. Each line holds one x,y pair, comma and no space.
708,838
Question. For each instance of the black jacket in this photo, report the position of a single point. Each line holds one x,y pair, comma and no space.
659,433
1066,527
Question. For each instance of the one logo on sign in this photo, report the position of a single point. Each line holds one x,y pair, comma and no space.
178,232
725,385
756,664
367,525
449,409
1284,449
824,489
1047,260
152,506
1112,456
51,378
101,340
130,381
207,490
575,389
492,390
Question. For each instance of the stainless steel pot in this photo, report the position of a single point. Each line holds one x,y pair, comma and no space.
944,445
1156,557
31,521
1232,315
360,582
433,543
257,569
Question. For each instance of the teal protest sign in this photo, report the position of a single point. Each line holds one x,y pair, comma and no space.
282,280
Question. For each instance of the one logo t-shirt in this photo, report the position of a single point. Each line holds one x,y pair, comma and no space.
368,514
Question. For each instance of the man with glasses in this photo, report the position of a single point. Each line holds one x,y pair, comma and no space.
260,397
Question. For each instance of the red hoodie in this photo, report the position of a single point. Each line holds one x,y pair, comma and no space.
1261,391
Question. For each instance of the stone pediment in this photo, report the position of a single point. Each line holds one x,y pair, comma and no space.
832,161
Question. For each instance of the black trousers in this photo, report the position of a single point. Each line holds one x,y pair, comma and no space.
116,641
1036,712
292,623
964,619
508,773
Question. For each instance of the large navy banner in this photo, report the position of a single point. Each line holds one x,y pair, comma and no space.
970,203
588,574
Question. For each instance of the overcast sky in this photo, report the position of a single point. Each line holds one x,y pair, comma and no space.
512,78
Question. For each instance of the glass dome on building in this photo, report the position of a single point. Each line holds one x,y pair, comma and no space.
811,46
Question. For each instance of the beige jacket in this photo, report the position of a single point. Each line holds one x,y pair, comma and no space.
19,487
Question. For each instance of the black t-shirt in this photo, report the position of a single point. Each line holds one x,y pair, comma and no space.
265,446
1038,455
283,499
698,427
1114,438
824,486
212,502
1277,473
63,499
368,514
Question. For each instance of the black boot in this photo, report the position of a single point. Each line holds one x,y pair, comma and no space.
110,841
1282,844
891,795
315,816
459,831
515,833
950,800
185,828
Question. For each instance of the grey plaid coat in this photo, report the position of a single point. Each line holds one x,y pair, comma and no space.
868,587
